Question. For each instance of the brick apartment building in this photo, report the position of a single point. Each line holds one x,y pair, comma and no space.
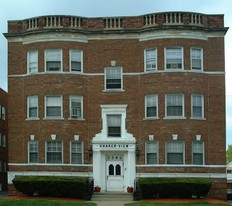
118,98
3,140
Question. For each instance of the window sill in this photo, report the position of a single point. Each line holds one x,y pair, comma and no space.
151,118
197,70
198,118
75,72
175,70
76,119
53,118
113,90
151,70
33,119
174,118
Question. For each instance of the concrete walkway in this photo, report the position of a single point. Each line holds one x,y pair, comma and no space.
110,203
112,198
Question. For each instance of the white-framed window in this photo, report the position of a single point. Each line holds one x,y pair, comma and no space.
175,152
76,60
54,150
174,106
113,78
114,121
53,106
32,107
151,106
198,152
174,58
76,152
114,125
3,113
33,151
152,151
196,58
32,61
150,59
197,108
76,107
53,60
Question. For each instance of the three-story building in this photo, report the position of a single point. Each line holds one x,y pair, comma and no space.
118,98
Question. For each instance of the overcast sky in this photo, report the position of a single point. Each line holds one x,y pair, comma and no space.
22,9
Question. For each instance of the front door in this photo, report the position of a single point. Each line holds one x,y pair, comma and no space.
114,179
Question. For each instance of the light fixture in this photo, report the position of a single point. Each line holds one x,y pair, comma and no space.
137,152
90,150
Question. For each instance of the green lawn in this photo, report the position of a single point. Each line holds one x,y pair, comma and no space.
5,202
173,204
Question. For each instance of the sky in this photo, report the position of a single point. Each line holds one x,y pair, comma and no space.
23,9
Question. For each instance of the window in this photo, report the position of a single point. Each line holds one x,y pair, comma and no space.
151,106
54,152
76,60
114,125
32,61
115,170
151,152
3,115
113,78
53,107
175,152
196,58
76,103
33,151
174,58
53,59
32,107
197,106
150,60
174,105
198,152
76,152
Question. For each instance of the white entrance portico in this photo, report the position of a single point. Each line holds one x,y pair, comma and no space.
114,151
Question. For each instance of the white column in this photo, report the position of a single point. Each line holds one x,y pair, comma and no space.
97,168
130,168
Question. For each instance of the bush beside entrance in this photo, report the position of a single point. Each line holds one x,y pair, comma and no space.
53,186
173,187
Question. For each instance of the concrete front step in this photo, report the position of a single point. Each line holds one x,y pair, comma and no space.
112,196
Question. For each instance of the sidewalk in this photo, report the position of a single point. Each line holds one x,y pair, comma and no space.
110,203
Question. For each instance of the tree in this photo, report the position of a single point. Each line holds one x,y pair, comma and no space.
229,154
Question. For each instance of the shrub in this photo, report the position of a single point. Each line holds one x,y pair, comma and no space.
52,186
174,187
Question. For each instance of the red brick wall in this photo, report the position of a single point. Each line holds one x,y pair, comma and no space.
3,131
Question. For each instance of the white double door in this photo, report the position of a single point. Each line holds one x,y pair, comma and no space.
114,175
